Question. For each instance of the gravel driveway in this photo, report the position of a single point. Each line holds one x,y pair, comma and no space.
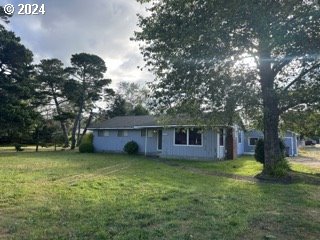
309,156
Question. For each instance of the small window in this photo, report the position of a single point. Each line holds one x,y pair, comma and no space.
253,141
180,136
103,133
150,133
122,133
221,137
239,137
143,132
195,136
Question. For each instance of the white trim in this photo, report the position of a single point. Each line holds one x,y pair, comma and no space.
218,144
219,147
187,144
248,153
296,146
110,128
158,126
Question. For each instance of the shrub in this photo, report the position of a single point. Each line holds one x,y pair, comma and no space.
88,138
281,168
18,147
131,147
86,148
259,150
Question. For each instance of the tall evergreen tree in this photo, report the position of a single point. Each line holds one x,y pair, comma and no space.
86,86
52,78
17,87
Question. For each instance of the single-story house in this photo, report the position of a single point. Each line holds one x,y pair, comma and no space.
290,139
169,140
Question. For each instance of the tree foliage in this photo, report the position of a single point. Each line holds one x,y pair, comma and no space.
17,88
86,86
52,79
222,56
303,121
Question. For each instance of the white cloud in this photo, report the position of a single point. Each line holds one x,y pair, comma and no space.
101,27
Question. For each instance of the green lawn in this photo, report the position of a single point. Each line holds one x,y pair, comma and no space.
65,195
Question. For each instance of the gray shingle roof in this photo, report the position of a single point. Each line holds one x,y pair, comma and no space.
124,122
130,122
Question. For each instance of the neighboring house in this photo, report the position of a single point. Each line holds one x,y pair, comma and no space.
289,138
170,140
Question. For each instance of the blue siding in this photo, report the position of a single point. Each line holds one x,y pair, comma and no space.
113,143
251,134
291,141
240,146
207,151
289,138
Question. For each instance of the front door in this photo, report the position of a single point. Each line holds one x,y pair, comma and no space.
221,144
159,140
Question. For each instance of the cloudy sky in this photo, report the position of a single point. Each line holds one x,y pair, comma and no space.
101,27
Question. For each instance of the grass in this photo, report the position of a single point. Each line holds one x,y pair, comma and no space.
66,195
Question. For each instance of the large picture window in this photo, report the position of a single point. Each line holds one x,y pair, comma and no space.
188,136
195,136
181,136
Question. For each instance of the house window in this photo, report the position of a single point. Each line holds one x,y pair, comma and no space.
103,133
143,132
221,137
122,133
253,141
180,136
239,137
195,136
150,133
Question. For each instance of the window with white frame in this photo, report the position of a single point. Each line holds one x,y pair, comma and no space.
195,136
145,131
122,133
180,136
253,141
103,133
188,136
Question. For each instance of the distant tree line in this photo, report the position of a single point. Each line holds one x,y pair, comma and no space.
48,102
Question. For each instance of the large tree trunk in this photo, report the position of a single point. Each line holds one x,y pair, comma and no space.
86,127
62,123
75,125
272,151
231,145
74,130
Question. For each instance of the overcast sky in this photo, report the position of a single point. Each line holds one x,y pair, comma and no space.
101,27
